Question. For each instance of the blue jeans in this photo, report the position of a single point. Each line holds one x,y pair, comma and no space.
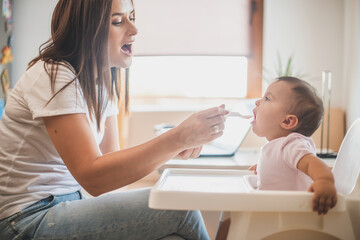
122,215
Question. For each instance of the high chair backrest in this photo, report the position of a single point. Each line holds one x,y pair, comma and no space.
347,165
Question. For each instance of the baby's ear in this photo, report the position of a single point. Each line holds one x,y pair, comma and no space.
290,122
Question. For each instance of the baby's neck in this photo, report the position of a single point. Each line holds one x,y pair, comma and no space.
284,133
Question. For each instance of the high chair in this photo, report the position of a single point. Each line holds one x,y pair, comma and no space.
267,214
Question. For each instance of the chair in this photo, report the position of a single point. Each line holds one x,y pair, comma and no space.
268,214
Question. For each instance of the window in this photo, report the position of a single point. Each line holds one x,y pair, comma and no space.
195,52
189,76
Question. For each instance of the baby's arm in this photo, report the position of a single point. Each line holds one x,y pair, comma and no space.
325,196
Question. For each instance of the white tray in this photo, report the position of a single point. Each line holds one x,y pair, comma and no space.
242,160
224,190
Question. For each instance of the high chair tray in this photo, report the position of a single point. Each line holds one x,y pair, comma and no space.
226,190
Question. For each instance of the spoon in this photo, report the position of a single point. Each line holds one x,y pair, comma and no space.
237,114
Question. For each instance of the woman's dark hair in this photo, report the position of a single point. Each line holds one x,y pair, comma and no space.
307,105
79,36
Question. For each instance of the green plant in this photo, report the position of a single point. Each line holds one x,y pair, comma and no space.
287,70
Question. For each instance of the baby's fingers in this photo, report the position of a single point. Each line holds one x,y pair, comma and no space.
328,204
315,202
322,205
318,204
253,168
334,201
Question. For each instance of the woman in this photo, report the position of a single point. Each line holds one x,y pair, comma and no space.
59,132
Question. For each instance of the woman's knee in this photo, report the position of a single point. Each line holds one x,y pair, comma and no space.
194,216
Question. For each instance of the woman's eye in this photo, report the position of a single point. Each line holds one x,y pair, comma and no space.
117,22
132,17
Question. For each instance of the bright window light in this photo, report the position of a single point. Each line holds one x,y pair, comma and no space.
189,76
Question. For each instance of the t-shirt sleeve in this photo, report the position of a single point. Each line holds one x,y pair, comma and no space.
113,108
295,147
68,101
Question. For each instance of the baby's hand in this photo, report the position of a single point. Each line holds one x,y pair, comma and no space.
253,168
325,196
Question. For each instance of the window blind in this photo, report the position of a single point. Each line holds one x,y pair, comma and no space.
192,27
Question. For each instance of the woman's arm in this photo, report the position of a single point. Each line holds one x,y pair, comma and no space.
98,173
110,142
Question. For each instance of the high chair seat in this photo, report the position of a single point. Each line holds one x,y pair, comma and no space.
267,214
254,214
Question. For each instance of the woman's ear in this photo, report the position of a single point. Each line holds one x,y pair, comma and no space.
290,122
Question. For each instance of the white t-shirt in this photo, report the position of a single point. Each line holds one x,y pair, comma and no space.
30,167
277,167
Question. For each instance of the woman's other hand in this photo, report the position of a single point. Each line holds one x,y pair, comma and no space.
201,127
189,153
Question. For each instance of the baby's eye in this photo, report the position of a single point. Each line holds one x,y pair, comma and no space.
267,99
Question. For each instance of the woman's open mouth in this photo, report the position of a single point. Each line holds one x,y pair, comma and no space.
126,49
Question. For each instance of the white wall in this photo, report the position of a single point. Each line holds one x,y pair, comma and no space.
311,31
321,35
352,60
32,21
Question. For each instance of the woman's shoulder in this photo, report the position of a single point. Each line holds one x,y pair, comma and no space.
62,68
39,74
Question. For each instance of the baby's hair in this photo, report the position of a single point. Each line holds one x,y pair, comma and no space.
306,105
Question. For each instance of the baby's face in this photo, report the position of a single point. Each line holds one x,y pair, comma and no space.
271,110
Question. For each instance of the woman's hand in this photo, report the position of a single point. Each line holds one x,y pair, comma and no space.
201,127
189,153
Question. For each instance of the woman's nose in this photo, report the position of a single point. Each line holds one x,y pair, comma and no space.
133,29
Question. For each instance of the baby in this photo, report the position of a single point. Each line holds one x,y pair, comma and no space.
287,115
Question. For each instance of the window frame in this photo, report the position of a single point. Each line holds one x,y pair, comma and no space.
254,85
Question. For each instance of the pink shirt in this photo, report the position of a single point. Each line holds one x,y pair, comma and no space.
277,165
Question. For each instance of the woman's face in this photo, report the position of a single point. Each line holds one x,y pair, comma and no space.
121,33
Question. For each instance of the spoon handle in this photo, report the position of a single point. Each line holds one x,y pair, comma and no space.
237,114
